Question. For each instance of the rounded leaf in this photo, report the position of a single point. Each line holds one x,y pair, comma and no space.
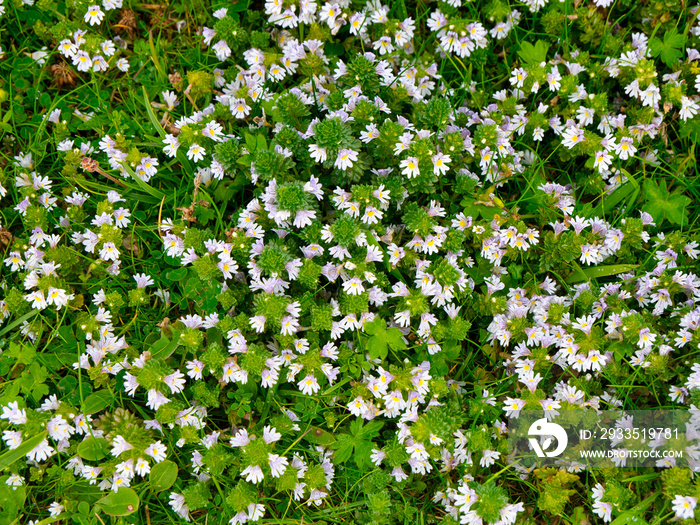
163,475
121,503
93,449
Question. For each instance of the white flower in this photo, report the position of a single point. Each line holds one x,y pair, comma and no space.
41,452
222,50
689,108
241,438
119,445
55,509
12,439
353,286
256,511
270,435
603,510
345,159
602,161
625,149
15,480
409,167
309,385
572,136
177,502
175,382
278,464
109,252
59,429
142,467
94,15
123,65
317,153
196,152
289,325
513,407
489,457
157,451
253,474
440,164
372,215
239,108
37,299
684,507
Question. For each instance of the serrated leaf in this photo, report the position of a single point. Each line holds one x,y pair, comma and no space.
381,339
357,444
670,49
690,129
377,325
533,54
662,205
343,448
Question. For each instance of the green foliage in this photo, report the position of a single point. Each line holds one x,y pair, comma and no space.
357,444
381,339
670,49
663,205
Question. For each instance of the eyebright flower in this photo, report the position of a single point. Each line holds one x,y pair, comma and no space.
440,164
345,159
94,15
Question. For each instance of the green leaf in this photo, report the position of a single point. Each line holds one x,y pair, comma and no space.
597,272
11,501
671,49
635,515
93,448
151,115
343,448
318,436
143,185
9,457
690,129
164,347
121,503
22,353
241,5
610,202
662,205
533,55
97,402
357,444
163,475
177,275
381,339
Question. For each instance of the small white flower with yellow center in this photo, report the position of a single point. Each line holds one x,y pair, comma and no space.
94,15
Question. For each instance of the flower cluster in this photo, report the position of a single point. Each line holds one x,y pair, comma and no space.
349,244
